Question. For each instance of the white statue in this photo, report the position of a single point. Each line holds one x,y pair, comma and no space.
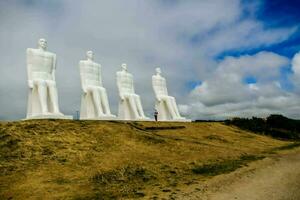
165,105
130,106
42,99
94,101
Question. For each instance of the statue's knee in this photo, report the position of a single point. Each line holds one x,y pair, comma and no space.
39,83
51,83
101,89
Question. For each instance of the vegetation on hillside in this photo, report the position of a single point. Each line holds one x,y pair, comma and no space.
277,126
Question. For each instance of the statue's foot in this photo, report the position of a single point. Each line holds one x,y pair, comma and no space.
110,115
46,113
180,118
58,113
143,118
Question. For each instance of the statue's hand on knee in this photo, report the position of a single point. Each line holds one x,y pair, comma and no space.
85,90
51,83
158,99
30,84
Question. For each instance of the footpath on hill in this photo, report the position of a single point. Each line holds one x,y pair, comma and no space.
276,177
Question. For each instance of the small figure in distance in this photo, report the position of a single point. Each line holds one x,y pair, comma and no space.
155,115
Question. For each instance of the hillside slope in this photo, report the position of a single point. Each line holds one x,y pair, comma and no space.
63,159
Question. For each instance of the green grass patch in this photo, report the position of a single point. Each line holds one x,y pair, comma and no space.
226,166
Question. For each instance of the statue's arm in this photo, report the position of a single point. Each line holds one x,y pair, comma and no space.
29,67
100,76
120,88
155,88
132,85
166,88
54,67
82,77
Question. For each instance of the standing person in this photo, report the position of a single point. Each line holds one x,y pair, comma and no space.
155,115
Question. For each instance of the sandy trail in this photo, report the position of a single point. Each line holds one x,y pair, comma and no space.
276,178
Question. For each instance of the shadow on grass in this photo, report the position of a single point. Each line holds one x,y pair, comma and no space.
226,166
126,182
287,147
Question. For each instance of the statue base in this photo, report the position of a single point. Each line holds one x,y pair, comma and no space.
175,120
50,116
105,118
138,120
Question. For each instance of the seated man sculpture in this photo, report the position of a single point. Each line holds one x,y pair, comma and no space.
94,101
42,99
130,106
165,105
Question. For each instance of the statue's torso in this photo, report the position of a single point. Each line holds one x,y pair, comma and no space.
42,64
125,80
160,85
91,73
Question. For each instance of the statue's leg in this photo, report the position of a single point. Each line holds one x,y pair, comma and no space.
97,102
170,107
42,92
53,95
139,106
104,101
175,106
133,106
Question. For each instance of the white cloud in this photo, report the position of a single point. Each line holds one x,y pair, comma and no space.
225,94
296,72
142,33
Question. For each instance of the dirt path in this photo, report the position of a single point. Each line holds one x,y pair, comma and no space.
276,177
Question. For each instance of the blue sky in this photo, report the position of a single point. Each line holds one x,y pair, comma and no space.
221,58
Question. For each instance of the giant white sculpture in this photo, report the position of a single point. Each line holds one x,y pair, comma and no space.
130,106
42,97
94,101
165,105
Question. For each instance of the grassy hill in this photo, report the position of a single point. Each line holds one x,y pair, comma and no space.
63,159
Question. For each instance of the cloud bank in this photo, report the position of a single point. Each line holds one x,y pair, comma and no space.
185,38
224,94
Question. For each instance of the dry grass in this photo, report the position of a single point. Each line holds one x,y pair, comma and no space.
62,159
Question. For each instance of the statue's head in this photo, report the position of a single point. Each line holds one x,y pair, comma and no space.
124,67
90,55
158,70
42,44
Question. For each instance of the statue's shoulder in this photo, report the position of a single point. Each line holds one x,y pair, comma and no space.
50,54
83,62
119,72
157,77
97,65
29,50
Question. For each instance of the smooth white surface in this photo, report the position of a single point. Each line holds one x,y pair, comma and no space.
130,106
42,95
164,104
50,116
94,101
